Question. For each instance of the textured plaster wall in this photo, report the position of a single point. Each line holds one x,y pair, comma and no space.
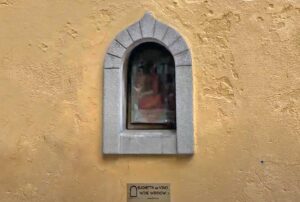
246,65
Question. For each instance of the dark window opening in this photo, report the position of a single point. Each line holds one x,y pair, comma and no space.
151,97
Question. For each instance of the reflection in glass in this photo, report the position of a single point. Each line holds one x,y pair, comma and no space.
151,88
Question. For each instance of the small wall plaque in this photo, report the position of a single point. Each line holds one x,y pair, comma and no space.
144,192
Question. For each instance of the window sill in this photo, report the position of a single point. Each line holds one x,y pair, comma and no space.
148,142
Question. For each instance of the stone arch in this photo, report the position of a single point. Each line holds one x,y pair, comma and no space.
148,29
116,138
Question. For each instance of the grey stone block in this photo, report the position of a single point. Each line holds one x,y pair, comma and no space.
111,111
147,25
116,49
169,144
124,38
183,59
184,110
111,61
140,145
160,30
135,31
148,142
178,46
170,36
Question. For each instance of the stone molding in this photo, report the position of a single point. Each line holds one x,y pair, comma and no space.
116,138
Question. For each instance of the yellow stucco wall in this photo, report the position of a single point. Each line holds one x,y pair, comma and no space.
246,68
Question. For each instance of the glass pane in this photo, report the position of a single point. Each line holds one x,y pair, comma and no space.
151,86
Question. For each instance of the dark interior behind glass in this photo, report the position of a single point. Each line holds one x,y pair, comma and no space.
151,97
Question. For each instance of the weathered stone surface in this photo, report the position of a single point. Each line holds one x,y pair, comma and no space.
183,59
112,61
116,49
160,30
111,111
146,142
124,38
147,25
184,110
170,36
135,31
178,46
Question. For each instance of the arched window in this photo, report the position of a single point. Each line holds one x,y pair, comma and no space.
148,91
151,95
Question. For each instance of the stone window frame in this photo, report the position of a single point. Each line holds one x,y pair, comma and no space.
116,138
